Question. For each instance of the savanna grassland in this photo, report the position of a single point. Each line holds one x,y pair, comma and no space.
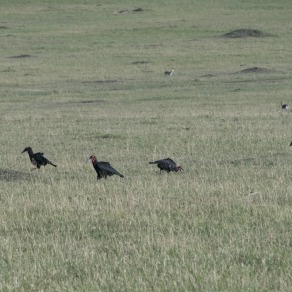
85,77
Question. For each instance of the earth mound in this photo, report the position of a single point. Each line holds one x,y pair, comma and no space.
254,70
21,56
245,32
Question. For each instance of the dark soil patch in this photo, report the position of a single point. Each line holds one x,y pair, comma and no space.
208,75
92,101
149,122
140,62
244,33
139,9
100,81
8,70
254,70
12,175
107,136
3,27
21,56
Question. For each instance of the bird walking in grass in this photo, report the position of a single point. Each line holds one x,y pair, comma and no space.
167,164
37,159
284,106
168,73
103,169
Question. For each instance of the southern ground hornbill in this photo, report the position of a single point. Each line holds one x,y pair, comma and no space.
103,169
37,159
167,164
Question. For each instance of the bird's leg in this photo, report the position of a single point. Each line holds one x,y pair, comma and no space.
33,169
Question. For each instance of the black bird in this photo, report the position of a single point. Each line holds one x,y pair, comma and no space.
167,164
168,73
284,106
103,169
290,144
37,159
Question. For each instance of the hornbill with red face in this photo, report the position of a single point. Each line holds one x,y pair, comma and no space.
37,159
167,164
103,169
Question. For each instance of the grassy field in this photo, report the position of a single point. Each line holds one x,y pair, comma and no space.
85,77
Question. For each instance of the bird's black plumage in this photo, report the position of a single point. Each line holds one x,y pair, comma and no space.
167,164
37,159
284,106
103,169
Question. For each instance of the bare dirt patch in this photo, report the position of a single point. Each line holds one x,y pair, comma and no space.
92,101
140,62
99,81
245,32
254,70
107,136
21,56
139,9
208,75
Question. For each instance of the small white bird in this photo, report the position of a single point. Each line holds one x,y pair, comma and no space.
168,73
284,106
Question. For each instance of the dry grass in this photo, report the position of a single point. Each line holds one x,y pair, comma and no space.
95,85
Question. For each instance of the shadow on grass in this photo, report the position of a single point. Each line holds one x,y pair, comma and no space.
13,175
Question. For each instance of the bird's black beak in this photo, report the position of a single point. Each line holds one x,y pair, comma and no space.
23,151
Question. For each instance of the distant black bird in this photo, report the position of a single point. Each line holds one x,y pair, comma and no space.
167,164
103,169
168,73
37,159
290,144
284,106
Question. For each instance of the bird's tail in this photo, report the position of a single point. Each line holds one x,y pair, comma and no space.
52,164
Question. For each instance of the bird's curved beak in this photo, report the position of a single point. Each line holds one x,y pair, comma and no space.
23,151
